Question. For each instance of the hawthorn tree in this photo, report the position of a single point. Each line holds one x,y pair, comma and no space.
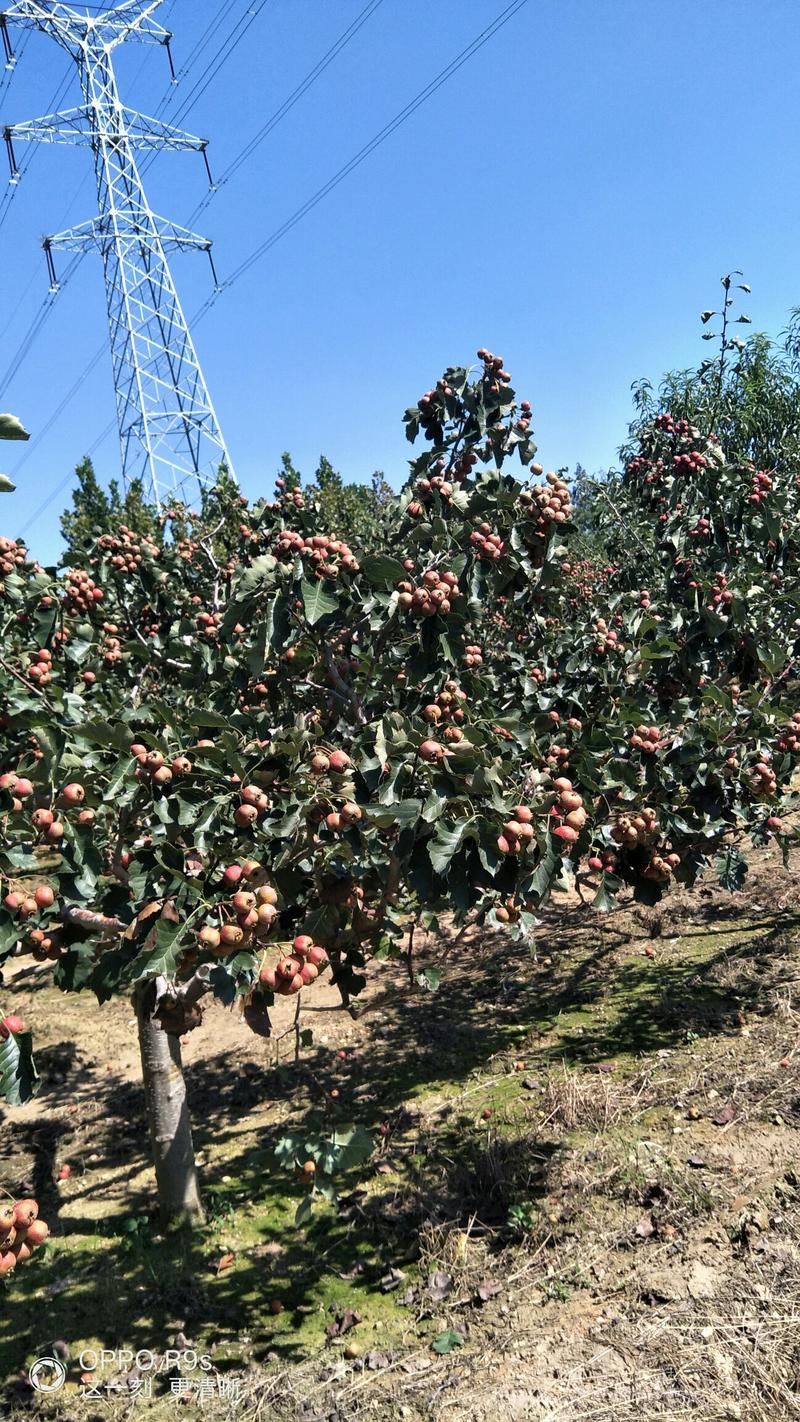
241,750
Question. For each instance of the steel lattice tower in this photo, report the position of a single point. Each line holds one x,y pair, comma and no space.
169,434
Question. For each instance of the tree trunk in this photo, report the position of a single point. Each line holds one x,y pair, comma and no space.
167,1115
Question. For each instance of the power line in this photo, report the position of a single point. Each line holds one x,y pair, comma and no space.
35,327
280,113
368,148
192,57
10,193
219,59
363,153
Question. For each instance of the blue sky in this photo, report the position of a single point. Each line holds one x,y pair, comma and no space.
570,199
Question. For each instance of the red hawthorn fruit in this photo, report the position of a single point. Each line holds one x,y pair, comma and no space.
431,751
303,944
25,1212
231,935
42,819
56,830
65,1172
232,875
243,901
567,833
12,1023
7,1263
73,794
339,761
23,788
317,956
209,937
36,1233
44,896
268,978
6,1220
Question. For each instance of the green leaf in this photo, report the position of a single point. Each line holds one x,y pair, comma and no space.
6,486
19,1079
317,603
10,428
447,1341
162,950
405,812
732,869
445,843
379,569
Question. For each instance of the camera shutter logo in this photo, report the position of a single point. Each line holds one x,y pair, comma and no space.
47,1375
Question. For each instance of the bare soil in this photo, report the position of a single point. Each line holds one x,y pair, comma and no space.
584,1200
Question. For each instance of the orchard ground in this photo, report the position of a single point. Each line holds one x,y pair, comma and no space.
584,1199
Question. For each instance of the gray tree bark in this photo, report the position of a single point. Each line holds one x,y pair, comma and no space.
167,1115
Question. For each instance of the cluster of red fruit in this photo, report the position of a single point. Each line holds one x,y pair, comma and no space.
207,624
254,804
81,592
43,943
127,551
632,831
433,596
517,831
40,669
688,462
438,484
648,739
506,911
764,779
660,867
790,737
473,655
186,549
551,503
557,757
111,650
446,709
487,546
567,810
604,860
760,487
720,595
493,368
151,765
292,499
337,761
252,913
11,554
345,817
607,641
21,1231
328,556
19,787
702,529
299,969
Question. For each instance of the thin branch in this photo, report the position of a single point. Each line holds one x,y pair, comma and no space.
37,691
342,686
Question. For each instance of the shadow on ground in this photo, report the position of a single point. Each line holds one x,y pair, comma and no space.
595,999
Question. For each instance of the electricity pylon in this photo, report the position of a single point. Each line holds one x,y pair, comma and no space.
169,434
